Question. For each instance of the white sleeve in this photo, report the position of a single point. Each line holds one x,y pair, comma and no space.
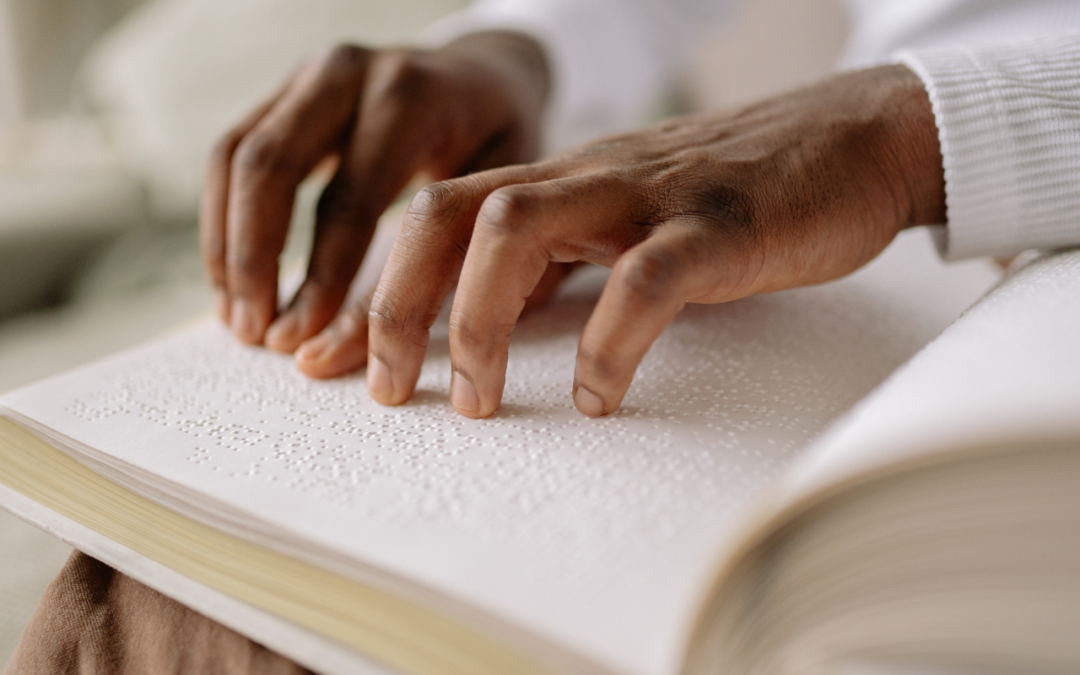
611,60
1008,119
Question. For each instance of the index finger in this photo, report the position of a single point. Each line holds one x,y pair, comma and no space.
307,123
422,268
214,203
391,140
520,230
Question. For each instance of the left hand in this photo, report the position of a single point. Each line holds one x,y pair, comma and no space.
379,116
796,190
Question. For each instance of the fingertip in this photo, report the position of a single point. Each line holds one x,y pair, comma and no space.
221,305
244,322
284,334
328,355
588,403
380,382
392,381
309,357
463,396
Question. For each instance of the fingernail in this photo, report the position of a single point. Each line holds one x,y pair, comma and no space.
221,304
588,403
243,322
313,349
380,384
462,394
281,335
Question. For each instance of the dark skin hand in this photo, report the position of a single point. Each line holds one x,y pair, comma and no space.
381,117
796,190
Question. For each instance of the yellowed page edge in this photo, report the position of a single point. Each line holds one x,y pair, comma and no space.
400,634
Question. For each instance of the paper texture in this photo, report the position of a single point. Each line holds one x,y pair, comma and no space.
596,535
1008,372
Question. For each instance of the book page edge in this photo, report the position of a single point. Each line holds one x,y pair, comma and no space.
301,645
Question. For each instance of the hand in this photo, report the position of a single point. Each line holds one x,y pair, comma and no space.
795,190
381,117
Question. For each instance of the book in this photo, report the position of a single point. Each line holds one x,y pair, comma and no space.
826,479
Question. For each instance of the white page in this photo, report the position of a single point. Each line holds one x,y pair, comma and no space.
1007,371
598,535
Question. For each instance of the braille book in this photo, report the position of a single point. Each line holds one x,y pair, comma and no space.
830,479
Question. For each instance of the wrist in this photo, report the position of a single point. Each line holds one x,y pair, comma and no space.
913,145
518,61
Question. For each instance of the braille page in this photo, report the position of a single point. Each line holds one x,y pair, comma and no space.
1008,371
597,535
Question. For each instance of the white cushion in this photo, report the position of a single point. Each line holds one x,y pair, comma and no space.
172,76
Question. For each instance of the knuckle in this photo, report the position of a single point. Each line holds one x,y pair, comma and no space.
649,275
223,149
482,340
392,318
508,209
343,58
730,211
436,204
383,316
400,74
259,154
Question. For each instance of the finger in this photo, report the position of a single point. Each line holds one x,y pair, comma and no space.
648,287
545,289
342,347
388,147
307,123
519,230
343,231
215,200
337,252
503,148
423,267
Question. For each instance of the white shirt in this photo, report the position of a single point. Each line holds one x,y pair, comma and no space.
1003,77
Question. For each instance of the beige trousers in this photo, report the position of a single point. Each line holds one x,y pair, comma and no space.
94,620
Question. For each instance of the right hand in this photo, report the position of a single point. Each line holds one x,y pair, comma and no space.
383,117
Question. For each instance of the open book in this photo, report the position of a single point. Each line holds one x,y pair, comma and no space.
767,500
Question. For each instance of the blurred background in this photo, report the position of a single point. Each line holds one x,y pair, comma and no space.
107,111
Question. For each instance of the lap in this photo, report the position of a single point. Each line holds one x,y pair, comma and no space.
95,620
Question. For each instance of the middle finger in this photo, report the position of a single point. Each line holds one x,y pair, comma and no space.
519,231
305,125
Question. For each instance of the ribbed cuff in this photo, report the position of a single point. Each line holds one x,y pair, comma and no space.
1009,124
